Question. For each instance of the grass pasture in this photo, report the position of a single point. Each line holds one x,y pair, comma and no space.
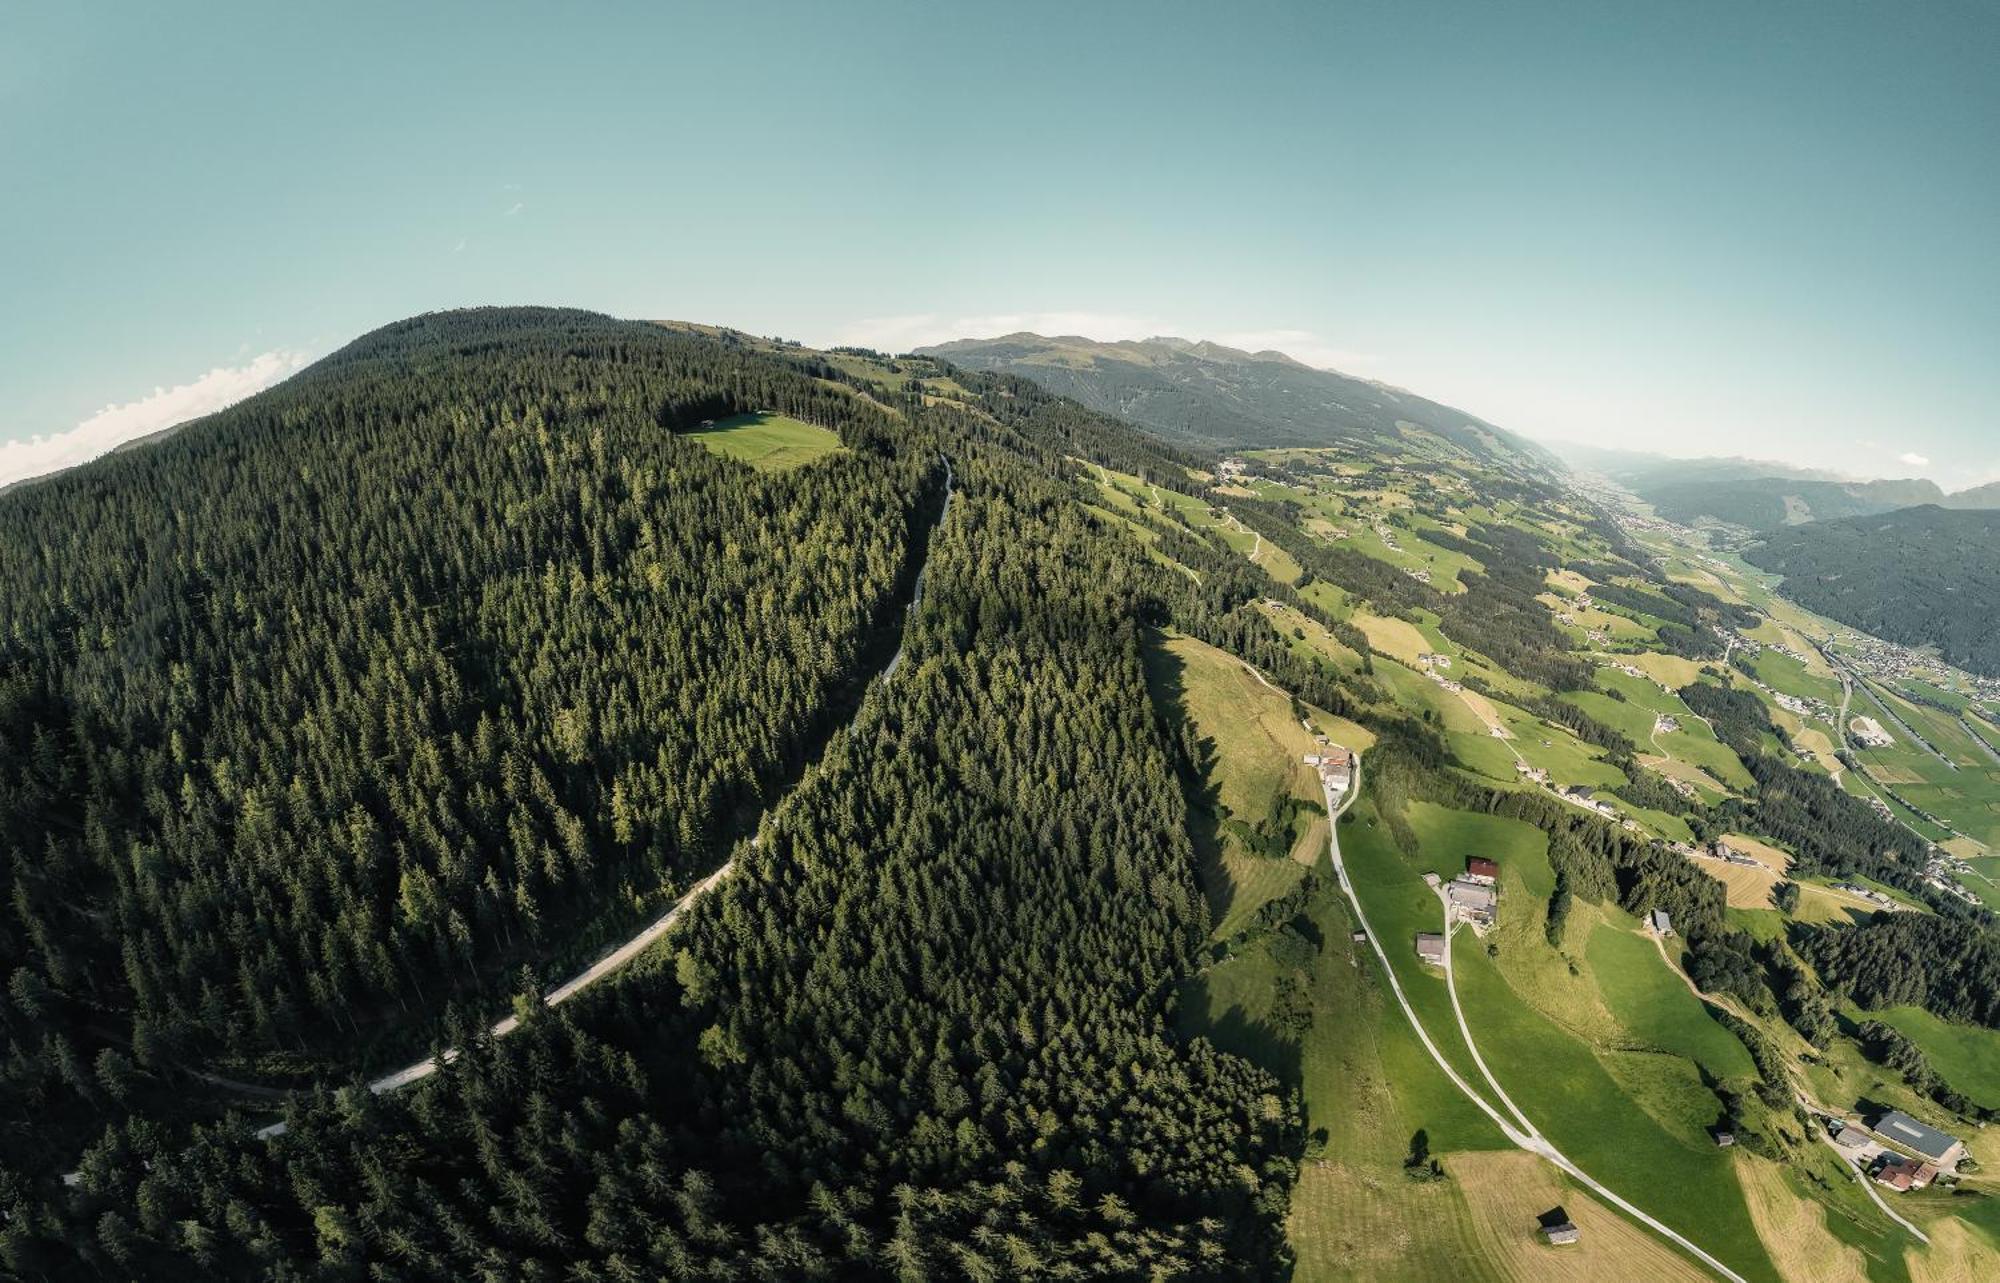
1597,1118
1258,750
1636,1129
767,442
1968,1056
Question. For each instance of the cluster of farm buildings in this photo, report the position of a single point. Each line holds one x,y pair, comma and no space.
1335,766
1473,897
1897,1150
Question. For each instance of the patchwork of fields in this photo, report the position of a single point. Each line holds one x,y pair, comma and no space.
1597,1036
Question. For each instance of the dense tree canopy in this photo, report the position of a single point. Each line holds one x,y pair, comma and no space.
921,1031
1950,966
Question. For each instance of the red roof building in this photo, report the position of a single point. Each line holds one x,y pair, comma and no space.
1896,1175
1482,870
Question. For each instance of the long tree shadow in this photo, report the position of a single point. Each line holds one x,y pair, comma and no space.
1247,1020
1194,760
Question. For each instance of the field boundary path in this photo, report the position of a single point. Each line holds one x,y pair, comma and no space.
1530,1140
1805,1102
623,955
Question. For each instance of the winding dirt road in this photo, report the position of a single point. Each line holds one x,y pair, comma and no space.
622,956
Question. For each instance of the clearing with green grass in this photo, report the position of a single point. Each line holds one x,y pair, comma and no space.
767,442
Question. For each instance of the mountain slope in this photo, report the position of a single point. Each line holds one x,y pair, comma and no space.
399,689
1986,496
1639,467
1765,503
1205,394
1920,576
1759,494
405,681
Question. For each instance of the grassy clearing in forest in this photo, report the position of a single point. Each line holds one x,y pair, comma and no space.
767,442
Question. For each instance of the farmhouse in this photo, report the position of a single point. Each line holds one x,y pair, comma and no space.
1899,1128
1902,1174
1481,870
1662,925
1336,768
1557,1227
1849,1137
1430,947
1472,902
1895,1175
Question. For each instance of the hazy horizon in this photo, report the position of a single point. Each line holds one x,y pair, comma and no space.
1709,231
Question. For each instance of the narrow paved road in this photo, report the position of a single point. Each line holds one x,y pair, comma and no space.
1529,1139
623,955
1854,1170
1805,1102
1465,1030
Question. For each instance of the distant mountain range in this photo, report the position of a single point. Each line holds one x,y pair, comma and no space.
1759,494
1920,576
1207,395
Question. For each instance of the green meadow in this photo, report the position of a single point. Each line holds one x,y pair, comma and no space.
767,442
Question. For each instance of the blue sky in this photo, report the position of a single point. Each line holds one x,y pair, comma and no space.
1748,229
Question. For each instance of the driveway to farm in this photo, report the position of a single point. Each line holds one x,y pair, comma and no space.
1854,1168
1805,1102
1525,1136
623,955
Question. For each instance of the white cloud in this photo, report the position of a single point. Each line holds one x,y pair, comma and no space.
1910,458
116,424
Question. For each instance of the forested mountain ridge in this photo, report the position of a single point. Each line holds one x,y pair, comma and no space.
941,979
413,669
944,1019
1768,503
1923,576
1206,394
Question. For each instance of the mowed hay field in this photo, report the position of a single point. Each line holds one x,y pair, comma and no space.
1481,1224
1396,638
1671,669
768,442
1795,1229
1749,887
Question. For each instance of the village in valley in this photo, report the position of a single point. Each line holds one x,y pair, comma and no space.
1462,909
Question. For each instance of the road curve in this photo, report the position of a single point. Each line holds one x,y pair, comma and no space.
1465,1030
1530,1140
624,954
1805,1102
